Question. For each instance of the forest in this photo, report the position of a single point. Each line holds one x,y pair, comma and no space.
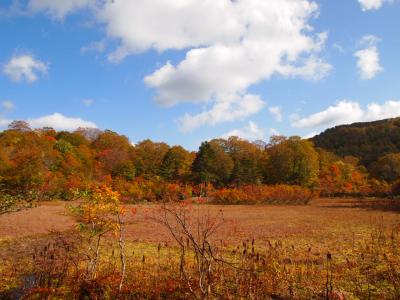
46,164
368,141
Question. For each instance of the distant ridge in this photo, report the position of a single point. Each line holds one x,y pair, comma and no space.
366,140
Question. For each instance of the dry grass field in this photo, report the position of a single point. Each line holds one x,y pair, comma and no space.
322,221
362,244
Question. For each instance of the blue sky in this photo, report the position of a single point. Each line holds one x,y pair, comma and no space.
243,68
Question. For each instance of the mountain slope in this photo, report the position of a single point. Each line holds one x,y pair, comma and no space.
367,141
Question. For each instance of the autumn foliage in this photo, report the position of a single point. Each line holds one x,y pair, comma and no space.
263,194
46,164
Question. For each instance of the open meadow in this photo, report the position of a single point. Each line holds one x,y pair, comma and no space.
330,249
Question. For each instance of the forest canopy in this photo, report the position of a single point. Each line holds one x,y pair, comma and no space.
46,164
366,141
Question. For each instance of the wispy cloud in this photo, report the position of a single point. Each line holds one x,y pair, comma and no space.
7,105
88,102
99,46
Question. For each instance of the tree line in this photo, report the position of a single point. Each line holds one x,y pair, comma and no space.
45,163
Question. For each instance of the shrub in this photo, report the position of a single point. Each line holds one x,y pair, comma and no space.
9,203
396,188
263,194
152,190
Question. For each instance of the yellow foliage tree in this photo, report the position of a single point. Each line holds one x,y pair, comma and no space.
101,213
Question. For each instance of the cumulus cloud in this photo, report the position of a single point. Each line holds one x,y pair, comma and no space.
346,112
276,111
229,109
60,122
368,58
256,40
270,40
251,132
163,25
58,9
372,4
341,113
24,67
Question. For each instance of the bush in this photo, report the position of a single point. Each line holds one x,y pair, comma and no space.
396,188
9,203
263,194
155,190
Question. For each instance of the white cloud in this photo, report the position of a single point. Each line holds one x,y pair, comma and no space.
266,48
273,131
338,47
368,58
60,122
256,40
4,122
372,4
389,109
58,9
227,110
341,113
251,132
162,25
276,111
98,46
346,112
88,102
310,135
8,105
24,67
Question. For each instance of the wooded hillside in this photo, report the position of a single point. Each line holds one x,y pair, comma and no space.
367,141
